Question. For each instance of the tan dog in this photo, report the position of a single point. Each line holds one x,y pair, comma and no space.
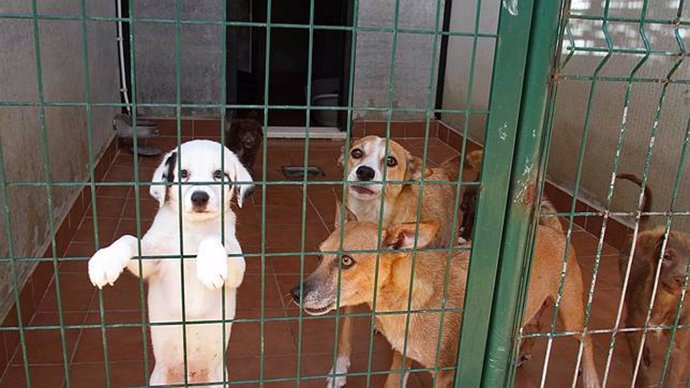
472,170
675,260
365,172
319,291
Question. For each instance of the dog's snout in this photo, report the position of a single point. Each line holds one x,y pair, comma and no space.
295,292
200,198
365,173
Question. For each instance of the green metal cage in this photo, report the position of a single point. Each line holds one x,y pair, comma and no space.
533,45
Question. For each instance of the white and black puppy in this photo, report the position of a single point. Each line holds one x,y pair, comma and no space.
189,215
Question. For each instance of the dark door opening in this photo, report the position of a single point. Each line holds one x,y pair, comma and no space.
289,60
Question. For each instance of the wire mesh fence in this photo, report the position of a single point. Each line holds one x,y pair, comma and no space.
538,51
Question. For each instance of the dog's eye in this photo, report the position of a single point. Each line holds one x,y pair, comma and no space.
218,174
346,262
391,161
356,153
184,174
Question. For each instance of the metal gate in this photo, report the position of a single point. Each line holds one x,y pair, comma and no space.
532,44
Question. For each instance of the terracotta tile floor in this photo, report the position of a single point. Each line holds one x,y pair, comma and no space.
116,216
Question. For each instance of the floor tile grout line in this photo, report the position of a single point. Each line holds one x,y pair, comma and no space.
81,332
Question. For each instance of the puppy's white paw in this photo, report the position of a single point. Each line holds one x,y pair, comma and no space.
211,264
107,264
236,267
342,364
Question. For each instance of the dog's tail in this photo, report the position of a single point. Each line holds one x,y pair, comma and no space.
551,221
647,199
473,163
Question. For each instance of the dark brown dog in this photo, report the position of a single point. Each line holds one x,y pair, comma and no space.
674,264
244,138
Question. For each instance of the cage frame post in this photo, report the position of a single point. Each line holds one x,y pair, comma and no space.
525,195
509,69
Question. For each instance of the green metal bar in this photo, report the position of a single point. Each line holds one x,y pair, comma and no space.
567,333
264,160
654,131
420,195
137,190
580,159
504,104
92,163
460,181
609,198
305,204
683,292
178,117
16,286
346,161
224,100
49,191
389,117
519,225
196,22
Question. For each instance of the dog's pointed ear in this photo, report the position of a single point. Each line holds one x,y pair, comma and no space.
164,173
245,187
402,236
414,168
649,242
254,115
473,162
349,215
341,158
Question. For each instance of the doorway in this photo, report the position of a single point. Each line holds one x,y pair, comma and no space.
288,61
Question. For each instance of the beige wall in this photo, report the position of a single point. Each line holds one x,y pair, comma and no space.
607,107
20,129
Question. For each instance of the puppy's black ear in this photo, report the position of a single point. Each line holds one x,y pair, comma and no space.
164,173
246,186
349,215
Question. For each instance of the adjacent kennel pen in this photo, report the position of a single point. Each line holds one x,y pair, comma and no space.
534,43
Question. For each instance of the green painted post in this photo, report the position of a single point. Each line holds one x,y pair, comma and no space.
510,59
519,226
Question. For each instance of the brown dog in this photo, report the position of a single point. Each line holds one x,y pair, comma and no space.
365,172
243,137
319,291
674,264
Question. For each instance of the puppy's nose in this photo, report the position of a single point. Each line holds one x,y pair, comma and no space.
295,293
199,198
365,173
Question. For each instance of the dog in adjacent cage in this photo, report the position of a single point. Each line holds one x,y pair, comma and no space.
673,262
188,185
468,207
319,291
243,137
365,194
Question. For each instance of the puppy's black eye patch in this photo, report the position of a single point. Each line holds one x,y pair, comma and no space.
170,164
